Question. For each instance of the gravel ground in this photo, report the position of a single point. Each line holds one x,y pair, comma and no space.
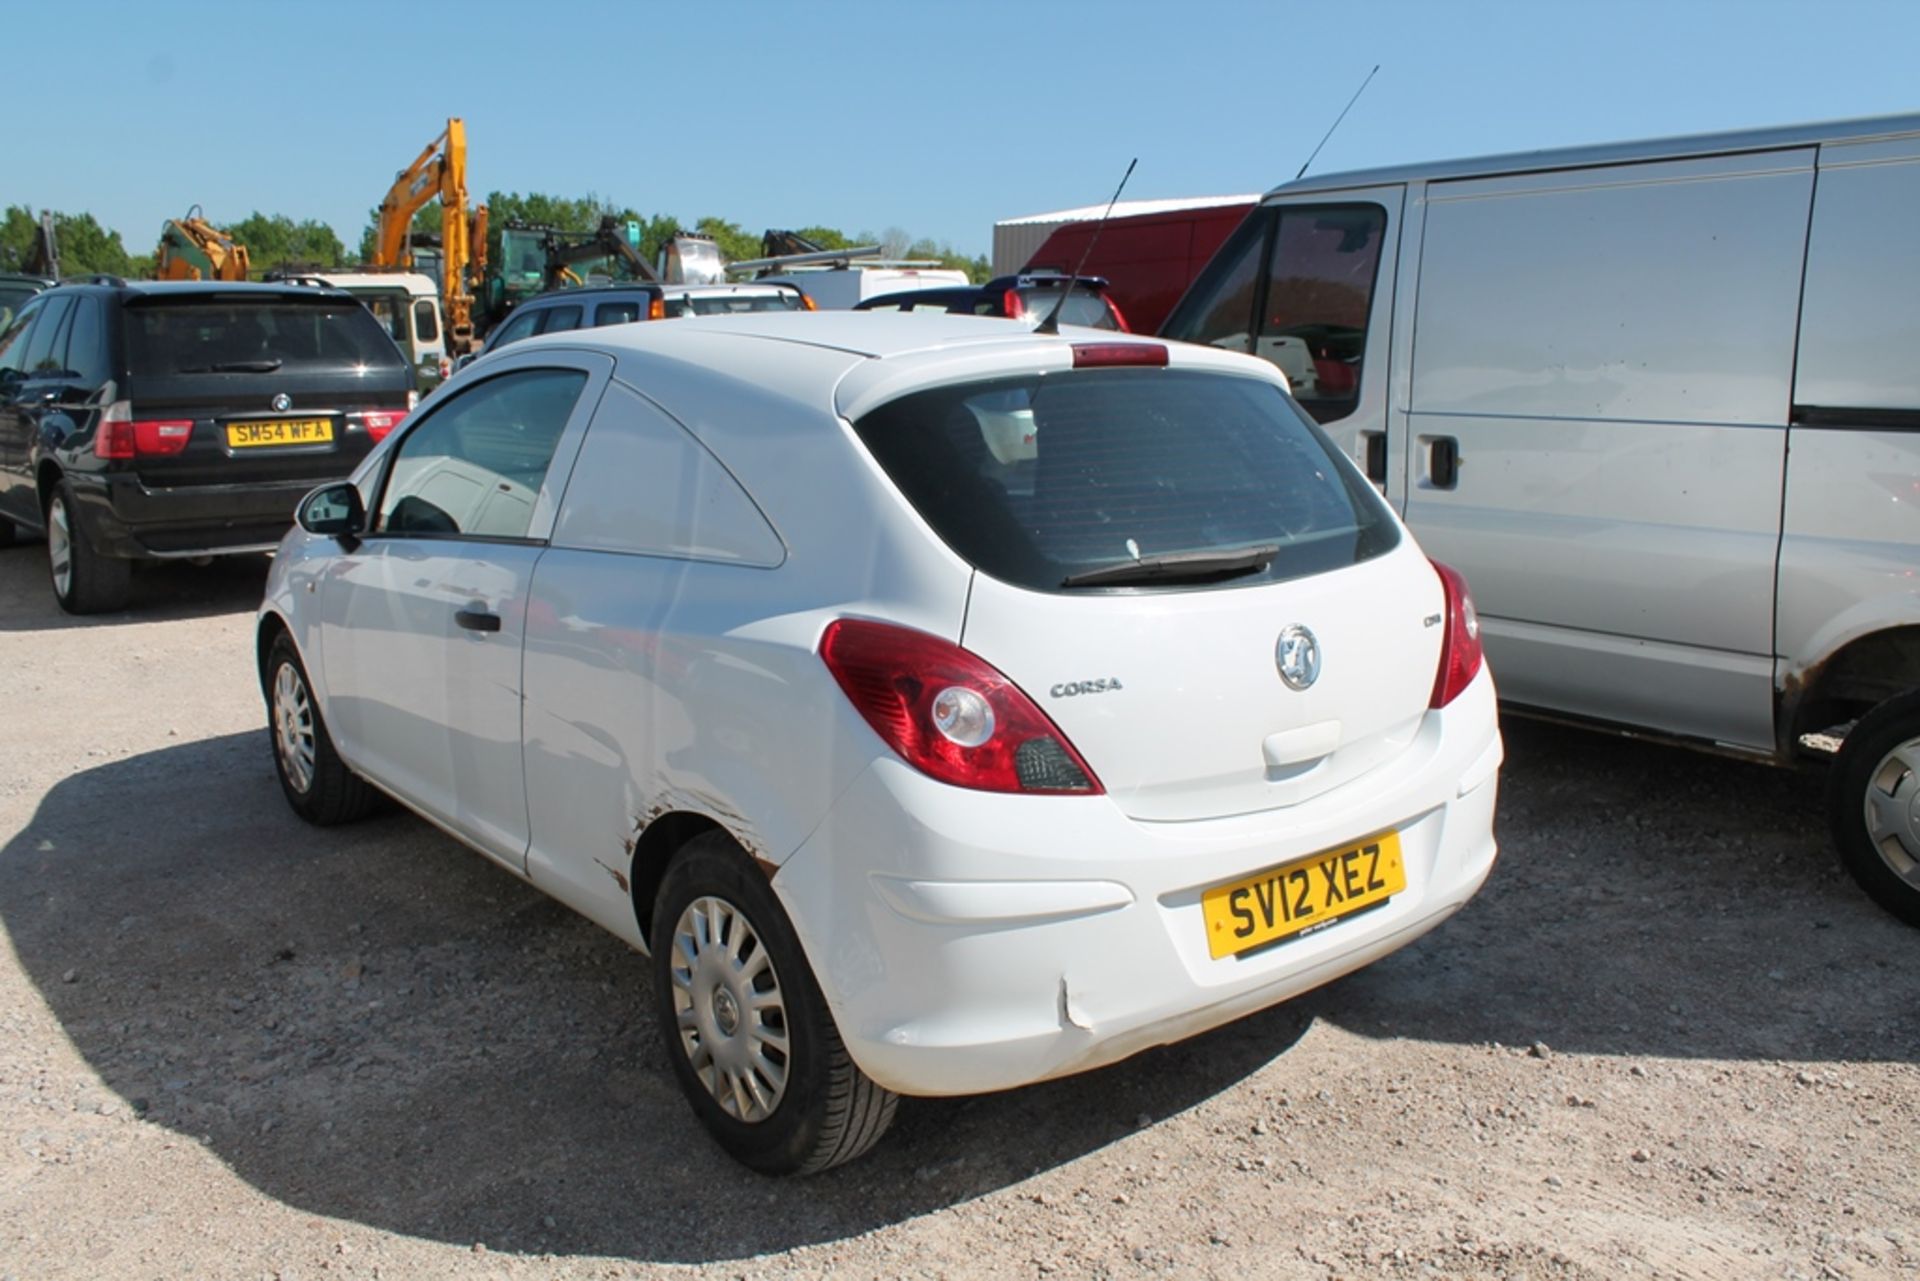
1668,1039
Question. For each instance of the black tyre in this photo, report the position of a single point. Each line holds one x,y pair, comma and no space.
318,785
1873,803
9,532
749,1034
84,582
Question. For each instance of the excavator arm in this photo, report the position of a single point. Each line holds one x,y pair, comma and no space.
191,248
438,172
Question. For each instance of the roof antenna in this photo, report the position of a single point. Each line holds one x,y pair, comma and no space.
1051,325
1337,119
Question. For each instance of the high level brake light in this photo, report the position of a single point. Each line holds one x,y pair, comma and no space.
1460,655
1095,355
950,714
121,436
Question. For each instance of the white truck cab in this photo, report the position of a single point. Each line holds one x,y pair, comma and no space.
407,305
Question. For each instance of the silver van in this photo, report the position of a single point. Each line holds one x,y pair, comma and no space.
1660,403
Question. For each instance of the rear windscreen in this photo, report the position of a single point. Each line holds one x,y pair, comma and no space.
243,336
1041,479
727,304
1083,308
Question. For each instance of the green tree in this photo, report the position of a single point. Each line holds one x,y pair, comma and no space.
276,240
735,244
85,246
16,237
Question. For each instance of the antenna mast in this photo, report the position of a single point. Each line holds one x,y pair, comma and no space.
1051,325
1337,119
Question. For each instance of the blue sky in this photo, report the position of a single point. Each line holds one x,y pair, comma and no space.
935,117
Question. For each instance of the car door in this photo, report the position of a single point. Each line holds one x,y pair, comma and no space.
16,496
423,620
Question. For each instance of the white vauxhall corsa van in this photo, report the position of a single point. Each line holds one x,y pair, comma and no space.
1660,403
943,705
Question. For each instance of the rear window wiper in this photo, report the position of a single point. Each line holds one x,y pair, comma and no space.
234,367
1178,567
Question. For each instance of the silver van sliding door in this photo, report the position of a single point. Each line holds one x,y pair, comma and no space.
1597,425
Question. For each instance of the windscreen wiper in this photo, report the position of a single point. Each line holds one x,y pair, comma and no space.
235,367
1178,567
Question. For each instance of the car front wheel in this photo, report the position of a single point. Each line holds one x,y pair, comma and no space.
317,783
1873,803
748,1032
84,582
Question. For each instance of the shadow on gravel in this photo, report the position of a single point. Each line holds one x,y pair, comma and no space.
375,1024
1653,901
162,592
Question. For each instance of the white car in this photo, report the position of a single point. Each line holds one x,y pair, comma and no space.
921,760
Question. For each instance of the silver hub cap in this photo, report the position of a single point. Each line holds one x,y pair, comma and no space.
1893,810
60,548
729,1010
293,727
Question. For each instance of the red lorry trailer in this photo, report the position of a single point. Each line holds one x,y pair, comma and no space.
1149,250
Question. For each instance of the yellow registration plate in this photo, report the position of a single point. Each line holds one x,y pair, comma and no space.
291,431
1297,896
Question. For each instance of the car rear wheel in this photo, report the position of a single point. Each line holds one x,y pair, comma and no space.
746,1027
318,784
1873,803
9,532
84,582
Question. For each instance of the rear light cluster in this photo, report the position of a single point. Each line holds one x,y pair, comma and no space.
1460,656
122,436
379,422
657,309
950,714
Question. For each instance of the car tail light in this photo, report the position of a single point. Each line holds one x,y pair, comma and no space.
379,422
1119,321
1013,304
1460,655
950,714
121,435
657,309
808,304
1093,355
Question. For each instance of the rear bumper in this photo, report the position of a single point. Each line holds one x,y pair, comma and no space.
968,942
121,517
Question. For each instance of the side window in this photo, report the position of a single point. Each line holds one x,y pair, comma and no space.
87,344
1860,318
13,343
616,313
523,325
561,318
426,325
643,485
1319,294
40,358
1218,309
474,466
391,318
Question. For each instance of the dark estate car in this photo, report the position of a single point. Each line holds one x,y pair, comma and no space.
146,421
618,304
1029,296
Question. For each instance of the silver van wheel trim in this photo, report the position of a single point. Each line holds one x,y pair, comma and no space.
60,548
293,727
1893,810
729,1009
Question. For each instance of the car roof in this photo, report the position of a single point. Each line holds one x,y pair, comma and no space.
854,360
193,288
551,296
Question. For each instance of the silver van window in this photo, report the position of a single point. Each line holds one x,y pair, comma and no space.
1313,322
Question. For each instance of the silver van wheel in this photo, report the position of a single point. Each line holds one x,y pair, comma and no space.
293,727
729,1010
1893,811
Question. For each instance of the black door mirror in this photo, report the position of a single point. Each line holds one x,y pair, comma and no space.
335,510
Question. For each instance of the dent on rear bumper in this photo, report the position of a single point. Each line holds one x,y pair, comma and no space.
969,942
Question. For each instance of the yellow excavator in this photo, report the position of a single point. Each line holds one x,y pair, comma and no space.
439,172
191,248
